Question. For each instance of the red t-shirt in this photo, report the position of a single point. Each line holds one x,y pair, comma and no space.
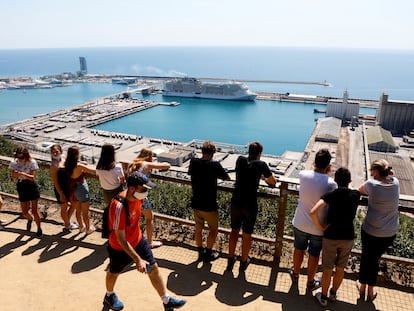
117,221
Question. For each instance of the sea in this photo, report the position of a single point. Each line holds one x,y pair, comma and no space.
279,126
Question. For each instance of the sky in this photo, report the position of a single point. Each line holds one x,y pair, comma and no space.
382,24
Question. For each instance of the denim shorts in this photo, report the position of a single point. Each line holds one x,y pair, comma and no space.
304,240
82,192
146,205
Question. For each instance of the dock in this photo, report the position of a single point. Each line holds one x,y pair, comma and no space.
313,99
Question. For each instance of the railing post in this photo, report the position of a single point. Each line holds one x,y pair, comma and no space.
280,228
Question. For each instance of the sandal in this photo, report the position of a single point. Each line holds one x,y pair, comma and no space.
156,244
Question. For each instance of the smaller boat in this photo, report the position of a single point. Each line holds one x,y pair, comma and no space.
316,110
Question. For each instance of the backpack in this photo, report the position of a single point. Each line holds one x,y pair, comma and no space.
106,231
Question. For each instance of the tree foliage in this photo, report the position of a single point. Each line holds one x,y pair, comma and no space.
7,147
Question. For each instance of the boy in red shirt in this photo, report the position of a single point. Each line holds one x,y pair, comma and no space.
127,244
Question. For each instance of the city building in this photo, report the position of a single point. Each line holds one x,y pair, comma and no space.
83,66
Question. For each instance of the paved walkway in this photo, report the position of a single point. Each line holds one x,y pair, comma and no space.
65,271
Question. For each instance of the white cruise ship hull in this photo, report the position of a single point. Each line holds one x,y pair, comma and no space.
248,97
194,88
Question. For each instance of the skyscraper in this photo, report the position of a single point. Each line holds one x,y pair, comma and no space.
83,66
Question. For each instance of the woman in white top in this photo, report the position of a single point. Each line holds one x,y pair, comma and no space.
24,169
111,175
144,164
380,225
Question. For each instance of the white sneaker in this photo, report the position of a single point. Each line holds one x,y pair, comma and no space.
323,302
73,226
91,229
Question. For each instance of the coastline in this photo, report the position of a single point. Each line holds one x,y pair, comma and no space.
73,125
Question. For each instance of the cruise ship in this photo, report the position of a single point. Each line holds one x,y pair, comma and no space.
195,88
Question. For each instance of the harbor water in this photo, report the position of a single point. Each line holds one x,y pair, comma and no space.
279,126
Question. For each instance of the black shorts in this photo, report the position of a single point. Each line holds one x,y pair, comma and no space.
27,190
243,217
63,181
118,260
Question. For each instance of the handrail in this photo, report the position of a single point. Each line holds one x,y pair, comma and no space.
286,187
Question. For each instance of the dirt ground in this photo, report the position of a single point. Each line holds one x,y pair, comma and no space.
65,271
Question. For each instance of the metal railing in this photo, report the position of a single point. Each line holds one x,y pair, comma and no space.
285,187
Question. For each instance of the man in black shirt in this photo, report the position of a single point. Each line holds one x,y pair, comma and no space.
249,172
338,237
204,174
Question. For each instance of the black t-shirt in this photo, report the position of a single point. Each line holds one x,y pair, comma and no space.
343,203
204,175
248,175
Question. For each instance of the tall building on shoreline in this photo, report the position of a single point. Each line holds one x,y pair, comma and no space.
83,66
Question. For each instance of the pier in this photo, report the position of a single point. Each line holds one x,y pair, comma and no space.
313,99
142,77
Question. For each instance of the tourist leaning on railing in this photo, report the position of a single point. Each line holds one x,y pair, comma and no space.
313,184
61,186
79,190
244,208
144,163
380,225
110,173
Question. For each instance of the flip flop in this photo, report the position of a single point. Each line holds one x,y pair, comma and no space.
156,244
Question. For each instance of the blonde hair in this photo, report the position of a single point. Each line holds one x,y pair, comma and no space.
382,167
145,155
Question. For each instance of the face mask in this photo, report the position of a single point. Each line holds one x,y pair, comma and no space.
140,195
57,157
